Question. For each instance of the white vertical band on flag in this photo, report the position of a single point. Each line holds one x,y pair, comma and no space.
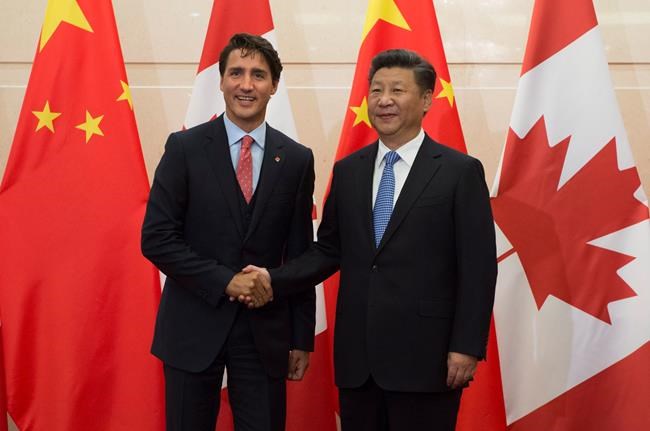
545,352
207,98
321,316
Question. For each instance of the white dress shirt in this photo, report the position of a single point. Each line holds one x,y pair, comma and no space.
401,168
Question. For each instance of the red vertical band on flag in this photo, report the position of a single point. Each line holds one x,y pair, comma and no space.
311,401
229,17
554,26
481,406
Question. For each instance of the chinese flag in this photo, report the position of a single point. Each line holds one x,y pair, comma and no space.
573,236
310,403
78,300
412,24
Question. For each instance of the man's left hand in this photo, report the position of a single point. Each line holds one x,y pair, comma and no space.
460,369
298,364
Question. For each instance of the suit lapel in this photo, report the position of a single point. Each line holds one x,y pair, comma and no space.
425,166
218,154
364,184
272,163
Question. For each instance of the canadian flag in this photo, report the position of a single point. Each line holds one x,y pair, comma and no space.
573,237
310,403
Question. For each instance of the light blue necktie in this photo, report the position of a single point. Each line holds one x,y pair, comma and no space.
384,201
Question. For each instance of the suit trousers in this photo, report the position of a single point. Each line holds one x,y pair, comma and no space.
371,408
258,402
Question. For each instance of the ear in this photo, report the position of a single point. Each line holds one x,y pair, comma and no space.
275,87
428,95
221,83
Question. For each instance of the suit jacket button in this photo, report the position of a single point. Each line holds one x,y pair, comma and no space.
375,268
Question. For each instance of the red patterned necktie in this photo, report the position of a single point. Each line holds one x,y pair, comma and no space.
245,168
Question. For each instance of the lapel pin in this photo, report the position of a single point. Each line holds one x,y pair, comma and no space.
277,159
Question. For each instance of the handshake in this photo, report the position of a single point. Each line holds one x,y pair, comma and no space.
252,286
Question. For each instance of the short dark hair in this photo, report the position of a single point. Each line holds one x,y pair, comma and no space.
425,75
250,44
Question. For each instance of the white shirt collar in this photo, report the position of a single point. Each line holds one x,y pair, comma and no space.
406,152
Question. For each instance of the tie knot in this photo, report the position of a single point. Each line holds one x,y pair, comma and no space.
246,142
390,158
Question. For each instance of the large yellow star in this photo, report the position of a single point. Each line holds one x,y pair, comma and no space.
126,94
91,126
385,10
447,91
59,11
361,113
46,117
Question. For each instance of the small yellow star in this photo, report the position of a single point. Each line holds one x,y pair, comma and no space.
385,10
126,94
46,117
361,113
91,126
59,11
447,91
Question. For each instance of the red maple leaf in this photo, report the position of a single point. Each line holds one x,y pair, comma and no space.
550,228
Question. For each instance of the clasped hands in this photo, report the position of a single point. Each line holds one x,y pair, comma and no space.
251,286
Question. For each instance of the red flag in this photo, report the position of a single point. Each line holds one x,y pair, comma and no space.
573,236
412,24
310,403
401,24
3,391
78,299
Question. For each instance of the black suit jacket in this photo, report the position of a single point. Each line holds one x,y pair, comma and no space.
193,232
428,288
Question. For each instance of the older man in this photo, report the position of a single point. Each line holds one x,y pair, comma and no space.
408,222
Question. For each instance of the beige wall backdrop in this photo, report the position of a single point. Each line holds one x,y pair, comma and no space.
318,41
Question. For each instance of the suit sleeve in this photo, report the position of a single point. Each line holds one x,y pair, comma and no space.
321,259
476,262
302,305
163,242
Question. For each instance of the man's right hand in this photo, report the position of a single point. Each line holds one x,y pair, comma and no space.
262,271
252,288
